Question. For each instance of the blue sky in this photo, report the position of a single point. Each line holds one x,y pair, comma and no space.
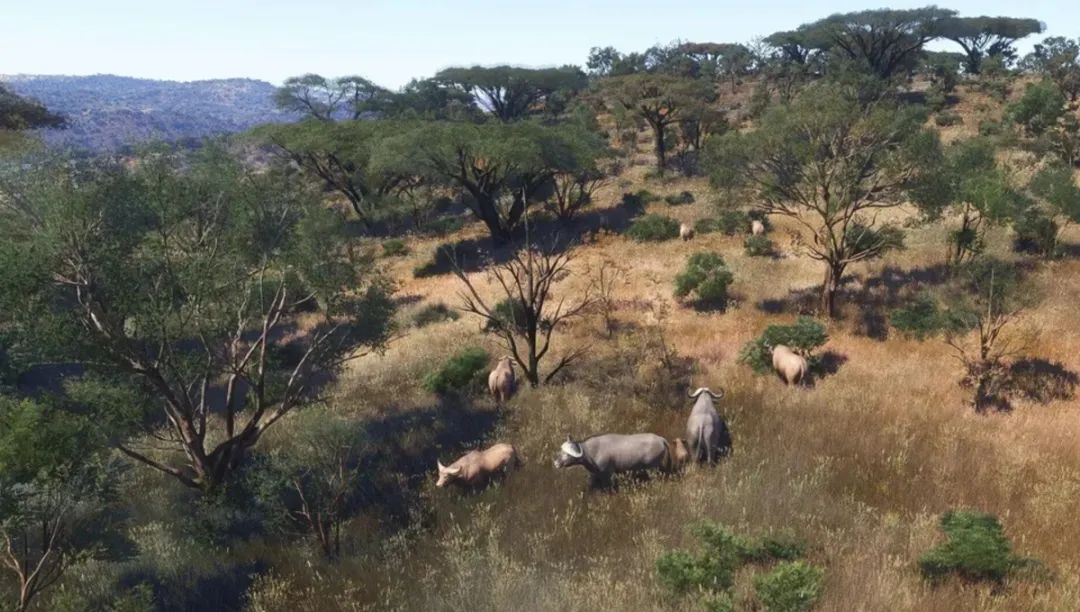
391,42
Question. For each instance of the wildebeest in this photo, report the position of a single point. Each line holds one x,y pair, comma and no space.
790,365
607,454
757,228
707,433
476,467
501,382
680,454
685,231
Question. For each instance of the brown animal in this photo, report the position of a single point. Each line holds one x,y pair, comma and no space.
757,228
501,381
476,467
680,454
685,231
788,364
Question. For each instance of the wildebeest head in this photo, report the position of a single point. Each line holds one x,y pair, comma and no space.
570,453
446,474
701,390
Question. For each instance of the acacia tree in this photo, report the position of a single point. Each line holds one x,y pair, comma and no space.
501,167
983,37
54,494
1058,58
721,60
315,96
830,163
179,283
1058,206
529,314
969,183
660,100
340,155
511,93
884,41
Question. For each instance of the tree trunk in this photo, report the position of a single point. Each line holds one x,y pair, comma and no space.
827,303
661,148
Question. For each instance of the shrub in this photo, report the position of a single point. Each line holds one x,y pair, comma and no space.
506,314
975,549
794,586
434,313
1036,232
1039,108
718,602
684,197
395,247
989,127
707,276
706,226
444,225
680,572
806,335
733,222
775,548
635,203
946,119
758,246
462,372
653,228
924,317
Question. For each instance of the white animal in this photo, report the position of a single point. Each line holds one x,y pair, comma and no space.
757,228
501,381
790,365
685,231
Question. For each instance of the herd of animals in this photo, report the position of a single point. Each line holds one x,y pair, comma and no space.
707,440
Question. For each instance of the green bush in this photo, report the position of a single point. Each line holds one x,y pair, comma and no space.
806,335
635,203
948,118
794,586
684,197
1040,107
975,549
680,572
508,314
718,602
758,246
989,127
462,372
706,226
395,247
707,276
444,225
924,318
734,222
775,548
653,228
1036,232
434,313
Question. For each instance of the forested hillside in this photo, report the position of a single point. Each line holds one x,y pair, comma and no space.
779,325
110,113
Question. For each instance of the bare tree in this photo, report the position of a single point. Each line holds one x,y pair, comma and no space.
573,191
605,278
528,316
987,364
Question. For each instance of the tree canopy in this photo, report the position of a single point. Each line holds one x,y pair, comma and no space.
982,37
511,93
18,113
326,99
500,167
1058,58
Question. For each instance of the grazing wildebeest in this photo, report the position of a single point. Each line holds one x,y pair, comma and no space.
685,231
607,454
757,228
476,467
790,365
707,433
501,382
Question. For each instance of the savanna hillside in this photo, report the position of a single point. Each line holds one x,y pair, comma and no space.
227,383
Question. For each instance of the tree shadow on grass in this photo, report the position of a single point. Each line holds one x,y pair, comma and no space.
1042,381
827,364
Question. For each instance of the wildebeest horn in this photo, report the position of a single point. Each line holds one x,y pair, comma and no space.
442,468
695,393
715,395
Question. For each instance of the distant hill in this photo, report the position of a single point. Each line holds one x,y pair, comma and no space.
111,113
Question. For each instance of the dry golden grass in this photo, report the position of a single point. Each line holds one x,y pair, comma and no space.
859,466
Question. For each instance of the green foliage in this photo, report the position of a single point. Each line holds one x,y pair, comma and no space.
733,222
1036,232
803,337
18,113
717,602
317,97
990,127
925,317
706,226
1058,58
758,246
987,37
793,586
1039,109
653,228
684,197
395,247
706,276
434,313
511,93
975,549
462,372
